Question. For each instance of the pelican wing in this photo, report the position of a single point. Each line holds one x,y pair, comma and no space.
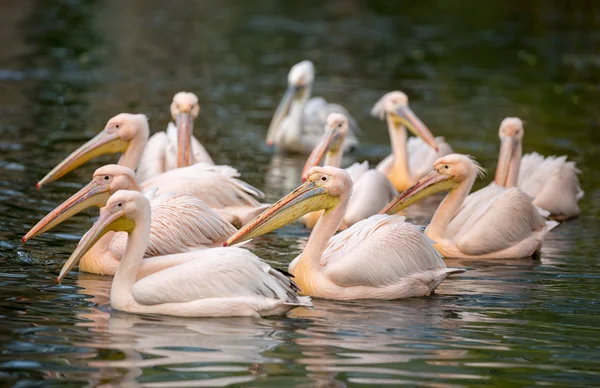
507,219
218,186
215,273
179,223
379,251
357,170
472,204
315,116
153,158
552,181
371,193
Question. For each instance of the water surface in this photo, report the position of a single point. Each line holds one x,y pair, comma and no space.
68,66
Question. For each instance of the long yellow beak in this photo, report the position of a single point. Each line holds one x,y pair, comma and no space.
410,120
305,199
101,144
280,113
330,141
108,221
93,194
432,183
508,145
185,129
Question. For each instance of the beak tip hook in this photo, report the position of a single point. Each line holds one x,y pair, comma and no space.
23,240
225,244
38,186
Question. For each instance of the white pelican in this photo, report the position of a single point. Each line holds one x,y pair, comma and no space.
298,121
179,222
177,147
508,226
128,133
552,181
382,257
372,190
219,282
410,160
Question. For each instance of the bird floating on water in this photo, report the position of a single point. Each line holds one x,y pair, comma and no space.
298,122
382,257
506,226
219,282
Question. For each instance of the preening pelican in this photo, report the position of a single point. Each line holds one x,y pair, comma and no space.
128,133
298,121
372,190
382,257
180,222
218,282
508,226
177,147
410,160
552,181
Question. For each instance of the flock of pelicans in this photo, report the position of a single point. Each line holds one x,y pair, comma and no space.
169,216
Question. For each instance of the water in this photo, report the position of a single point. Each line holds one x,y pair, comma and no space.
67,66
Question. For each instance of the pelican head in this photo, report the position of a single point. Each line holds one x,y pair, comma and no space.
124,132
331,141
322,190
448,172
120,213
300,79
107,180
394,107
511,137
184,110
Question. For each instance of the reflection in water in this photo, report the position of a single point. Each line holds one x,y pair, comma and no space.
67,66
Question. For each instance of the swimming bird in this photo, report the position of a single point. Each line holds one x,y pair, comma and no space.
219,282
177,146
507,226
218,186
410,159
372,190
381,257
298,122
552,181
180,222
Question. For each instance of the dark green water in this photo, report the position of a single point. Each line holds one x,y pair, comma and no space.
68,66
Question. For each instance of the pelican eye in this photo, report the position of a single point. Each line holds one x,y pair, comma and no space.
446,166
117,126
324,178
120,204
106,177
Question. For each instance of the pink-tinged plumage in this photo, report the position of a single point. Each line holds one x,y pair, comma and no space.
411,158
218,186
552,181
381,257
496,223
215,282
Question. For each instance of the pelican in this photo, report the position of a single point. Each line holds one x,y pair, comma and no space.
128,133
552,181
381,257
372,190
219,282
177,147
179,222
508,226
410,160
298,121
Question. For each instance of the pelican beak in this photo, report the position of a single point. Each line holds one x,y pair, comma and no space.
281,112
305,199
101,144
108,221
94,194
508,145
409,119
432,183
185,129
330,141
